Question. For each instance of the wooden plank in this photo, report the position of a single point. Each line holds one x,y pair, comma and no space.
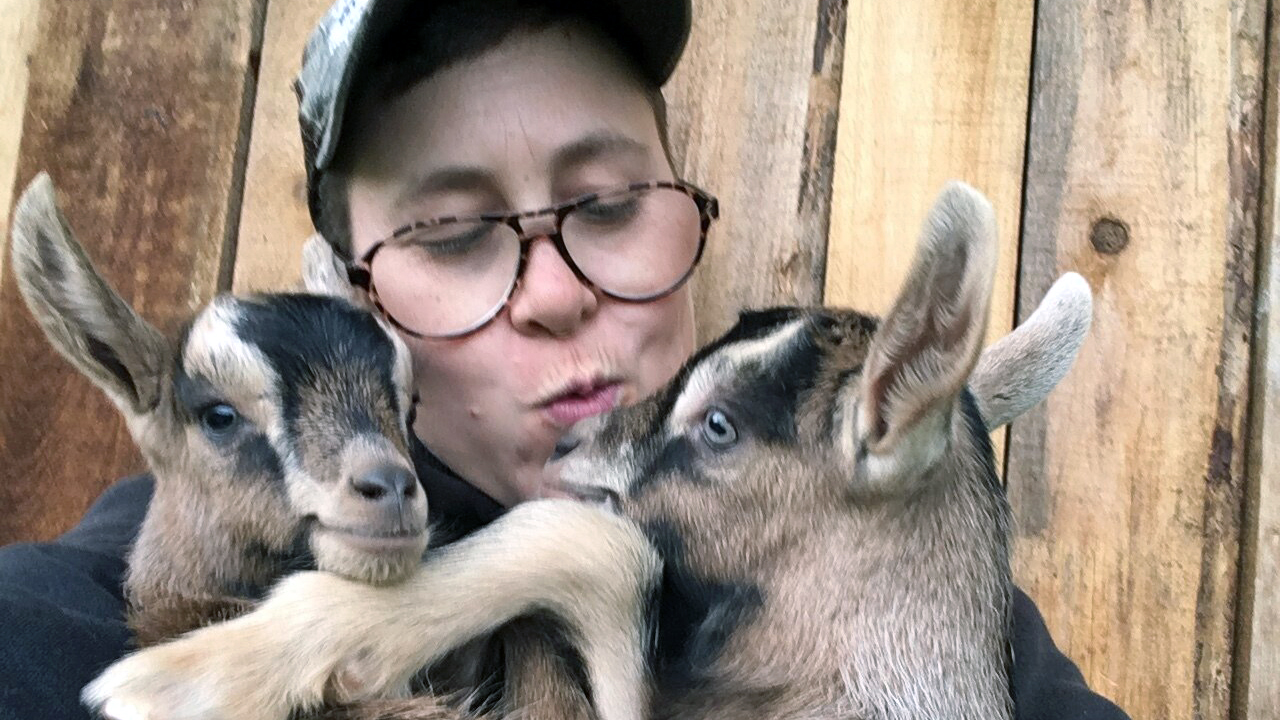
932,91
136,107
16,35
274,221
753,110
1257,687
1127,487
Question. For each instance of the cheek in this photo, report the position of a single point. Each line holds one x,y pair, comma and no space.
663,333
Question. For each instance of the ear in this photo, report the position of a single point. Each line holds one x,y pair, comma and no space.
926,347
324,273
1020,369
82,316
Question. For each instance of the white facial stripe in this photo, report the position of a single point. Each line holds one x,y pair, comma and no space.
215,352
707,376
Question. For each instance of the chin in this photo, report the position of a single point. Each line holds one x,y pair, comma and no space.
376,561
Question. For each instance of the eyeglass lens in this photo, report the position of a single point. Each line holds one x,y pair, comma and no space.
449,278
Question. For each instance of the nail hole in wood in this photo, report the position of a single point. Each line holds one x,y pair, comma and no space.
1109,236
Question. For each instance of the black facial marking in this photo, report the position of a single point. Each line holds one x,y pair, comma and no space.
675,457
193,393
256,458
773,395
107,358
696,615
307,337
752,324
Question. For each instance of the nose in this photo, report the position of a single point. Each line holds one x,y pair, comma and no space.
550,299
385,484
564,446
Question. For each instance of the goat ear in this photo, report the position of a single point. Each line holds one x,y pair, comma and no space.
82,316
1020,369
927,345
324,273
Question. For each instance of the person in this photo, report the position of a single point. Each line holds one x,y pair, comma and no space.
417,116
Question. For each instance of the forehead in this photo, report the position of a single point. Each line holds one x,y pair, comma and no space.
770,360
258,343
507,109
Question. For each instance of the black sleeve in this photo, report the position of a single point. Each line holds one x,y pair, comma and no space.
1046,684
62,607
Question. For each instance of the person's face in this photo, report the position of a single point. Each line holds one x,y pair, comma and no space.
542,118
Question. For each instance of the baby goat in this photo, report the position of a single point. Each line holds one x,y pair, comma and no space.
821,488
277,429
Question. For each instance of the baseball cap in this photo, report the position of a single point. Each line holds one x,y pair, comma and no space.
348,36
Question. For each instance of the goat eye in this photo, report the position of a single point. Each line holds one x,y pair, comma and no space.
718,429
219,418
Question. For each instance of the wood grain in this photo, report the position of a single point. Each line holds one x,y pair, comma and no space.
1257,682
753,110
136,107
933,91
274,221
1127,487
17,32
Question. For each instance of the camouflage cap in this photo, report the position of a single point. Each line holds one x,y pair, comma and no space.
349,33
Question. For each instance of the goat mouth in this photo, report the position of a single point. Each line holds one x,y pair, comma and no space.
375,541
590,494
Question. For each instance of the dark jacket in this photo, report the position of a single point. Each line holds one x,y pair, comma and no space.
62,610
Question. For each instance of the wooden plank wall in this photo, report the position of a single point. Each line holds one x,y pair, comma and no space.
1131,142
1142,175
137,108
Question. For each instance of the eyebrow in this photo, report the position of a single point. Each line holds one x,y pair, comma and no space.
594,146
457,178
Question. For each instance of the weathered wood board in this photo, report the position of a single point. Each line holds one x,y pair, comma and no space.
1257,689
136,107
16,35
274,222
1127,487
753,106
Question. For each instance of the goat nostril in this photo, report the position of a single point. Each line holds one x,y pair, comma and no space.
564,446
386,481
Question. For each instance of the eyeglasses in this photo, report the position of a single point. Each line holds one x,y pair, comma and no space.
450,276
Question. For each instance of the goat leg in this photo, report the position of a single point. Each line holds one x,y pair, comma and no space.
590,569
161,619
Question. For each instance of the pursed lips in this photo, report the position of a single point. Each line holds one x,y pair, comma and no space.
580,399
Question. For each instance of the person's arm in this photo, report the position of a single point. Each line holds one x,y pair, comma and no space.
62,607
1046,684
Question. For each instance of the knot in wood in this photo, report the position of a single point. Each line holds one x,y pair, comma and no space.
1109,236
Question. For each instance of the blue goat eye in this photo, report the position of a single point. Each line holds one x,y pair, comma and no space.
718,429
219,418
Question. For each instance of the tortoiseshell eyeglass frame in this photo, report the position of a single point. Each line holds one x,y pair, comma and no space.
360,272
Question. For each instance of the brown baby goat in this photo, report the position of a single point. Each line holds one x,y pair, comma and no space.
821,488
277,428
